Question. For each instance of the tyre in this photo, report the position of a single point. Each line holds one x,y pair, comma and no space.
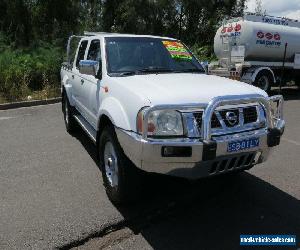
70,122
121,178
263,80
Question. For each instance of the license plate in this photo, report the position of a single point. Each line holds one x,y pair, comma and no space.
241,145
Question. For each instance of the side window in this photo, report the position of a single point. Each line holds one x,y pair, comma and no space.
94,51
81,52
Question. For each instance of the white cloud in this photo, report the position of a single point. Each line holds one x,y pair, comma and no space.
294,14
285,8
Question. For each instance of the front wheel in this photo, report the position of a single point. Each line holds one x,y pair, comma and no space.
121,178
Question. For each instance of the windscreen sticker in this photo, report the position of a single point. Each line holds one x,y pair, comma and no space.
177,50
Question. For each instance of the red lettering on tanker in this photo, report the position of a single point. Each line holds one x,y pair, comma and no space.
277,37
231,31
268,39
238,27
269,36
260,34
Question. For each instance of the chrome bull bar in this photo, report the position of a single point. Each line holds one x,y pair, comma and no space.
216,102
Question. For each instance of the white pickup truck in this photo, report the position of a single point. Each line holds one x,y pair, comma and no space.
147,104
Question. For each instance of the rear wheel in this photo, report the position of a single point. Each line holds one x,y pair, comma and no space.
70,122
263,81
121,178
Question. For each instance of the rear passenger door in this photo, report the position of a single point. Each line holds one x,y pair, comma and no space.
77,80
91,84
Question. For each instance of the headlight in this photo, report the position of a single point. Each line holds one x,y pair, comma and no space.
162,123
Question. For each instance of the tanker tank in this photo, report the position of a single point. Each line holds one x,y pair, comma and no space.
258,39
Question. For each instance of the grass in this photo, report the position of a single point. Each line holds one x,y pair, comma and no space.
2,99
33,73
30,72
45,94
34,95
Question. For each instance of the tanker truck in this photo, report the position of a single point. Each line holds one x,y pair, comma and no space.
260,50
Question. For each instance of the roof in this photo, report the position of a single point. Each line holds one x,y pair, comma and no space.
106,34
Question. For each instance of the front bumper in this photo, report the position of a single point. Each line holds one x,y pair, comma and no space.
208,155
147,155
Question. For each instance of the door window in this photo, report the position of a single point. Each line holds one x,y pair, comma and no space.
81,52
94,54
94,51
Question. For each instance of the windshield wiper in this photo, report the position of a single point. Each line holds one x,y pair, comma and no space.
154,70
127,73
190,71
145,70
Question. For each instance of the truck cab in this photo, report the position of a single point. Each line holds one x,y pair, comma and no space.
148,105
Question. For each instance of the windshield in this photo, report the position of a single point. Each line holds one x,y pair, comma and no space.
143,55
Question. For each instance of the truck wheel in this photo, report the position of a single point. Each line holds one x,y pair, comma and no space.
70,122
263,80
121,179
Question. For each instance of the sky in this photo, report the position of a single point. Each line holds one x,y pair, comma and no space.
284,8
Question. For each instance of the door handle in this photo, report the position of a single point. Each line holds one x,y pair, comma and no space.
82,81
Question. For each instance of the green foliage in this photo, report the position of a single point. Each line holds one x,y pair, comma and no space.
204,53
24,71
33,34
194,21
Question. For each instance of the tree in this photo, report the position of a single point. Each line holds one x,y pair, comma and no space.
199,19
15,21
91,12
259,10
109,14
27,21
52,19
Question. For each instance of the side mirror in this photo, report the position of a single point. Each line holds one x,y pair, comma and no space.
88,67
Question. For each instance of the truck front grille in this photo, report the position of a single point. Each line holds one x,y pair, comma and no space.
223,115
249,114
215,123
198,119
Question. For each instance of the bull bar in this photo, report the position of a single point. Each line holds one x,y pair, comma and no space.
208,150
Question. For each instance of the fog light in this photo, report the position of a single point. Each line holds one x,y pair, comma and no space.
274,137
209,150
172,151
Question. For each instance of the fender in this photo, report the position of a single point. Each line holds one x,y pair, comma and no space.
251,73
113,109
